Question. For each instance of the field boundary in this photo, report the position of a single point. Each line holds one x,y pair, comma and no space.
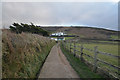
74,48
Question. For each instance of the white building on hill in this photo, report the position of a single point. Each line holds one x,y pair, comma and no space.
58,34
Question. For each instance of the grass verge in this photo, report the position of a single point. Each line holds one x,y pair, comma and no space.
81,68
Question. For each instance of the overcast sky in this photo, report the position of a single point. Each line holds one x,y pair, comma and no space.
98,14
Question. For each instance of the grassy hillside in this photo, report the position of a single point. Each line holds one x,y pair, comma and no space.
86,32
23,54
51,28
89,32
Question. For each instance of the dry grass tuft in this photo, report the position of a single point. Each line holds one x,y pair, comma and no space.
23,54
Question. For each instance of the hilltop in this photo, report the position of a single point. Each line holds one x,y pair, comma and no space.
85,32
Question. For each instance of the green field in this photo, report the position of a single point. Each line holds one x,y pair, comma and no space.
81,68
108,48
115,37
67,38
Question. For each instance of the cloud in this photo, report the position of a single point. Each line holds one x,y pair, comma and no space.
101,14
60,0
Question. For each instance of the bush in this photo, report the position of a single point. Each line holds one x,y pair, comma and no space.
19,28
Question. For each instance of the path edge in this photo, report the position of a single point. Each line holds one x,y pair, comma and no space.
37,76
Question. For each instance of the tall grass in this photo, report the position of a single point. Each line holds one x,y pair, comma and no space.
23,54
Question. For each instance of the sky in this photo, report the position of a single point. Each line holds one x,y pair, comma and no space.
92,14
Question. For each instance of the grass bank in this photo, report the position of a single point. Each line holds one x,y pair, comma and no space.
81,68
23,54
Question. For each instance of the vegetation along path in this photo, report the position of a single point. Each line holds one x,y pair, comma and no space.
57,66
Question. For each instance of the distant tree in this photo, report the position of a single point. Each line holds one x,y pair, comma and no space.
13,28
19,28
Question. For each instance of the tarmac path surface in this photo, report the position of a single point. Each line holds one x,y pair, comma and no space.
57,66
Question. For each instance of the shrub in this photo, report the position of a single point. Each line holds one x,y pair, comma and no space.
19,28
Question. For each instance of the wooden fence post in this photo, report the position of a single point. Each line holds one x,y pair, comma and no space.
74,49
95,59
81,55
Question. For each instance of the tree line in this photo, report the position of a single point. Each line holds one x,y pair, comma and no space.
19,28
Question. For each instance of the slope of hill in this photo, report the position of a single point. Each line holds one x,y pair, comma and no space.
51,28
86,32
23,54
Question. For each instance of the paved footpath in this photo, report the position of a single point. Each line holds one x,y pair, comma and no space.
57,66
